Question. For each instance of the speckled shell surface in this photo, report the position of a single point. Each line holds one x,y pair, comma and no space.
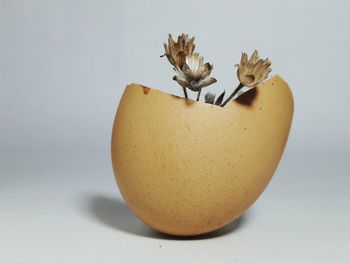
187,168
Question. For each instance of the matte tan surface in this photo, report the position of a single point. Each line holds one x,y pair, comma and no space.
188,168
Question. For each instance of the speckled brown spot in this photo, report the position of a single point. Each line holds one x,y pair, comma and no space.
146,90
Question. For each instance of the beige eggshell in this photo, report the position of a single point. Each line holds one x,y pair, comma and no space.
187,168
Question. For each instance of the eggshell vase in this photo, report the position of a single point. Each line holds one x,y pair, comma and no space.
187,168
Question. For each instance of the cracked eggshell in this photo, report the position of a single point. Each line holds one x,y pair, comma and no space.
187,168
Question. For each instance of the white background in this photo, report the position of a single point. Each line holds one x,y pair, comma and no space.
63,68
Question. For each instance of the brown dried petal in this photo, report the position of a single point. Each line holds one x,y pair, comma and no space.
205,70
204,83
181,81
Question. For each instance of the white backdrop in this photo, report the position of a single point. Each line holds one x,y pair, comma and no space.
64,65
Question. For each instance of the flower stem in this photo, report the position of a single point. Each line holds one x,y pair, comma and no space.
199,94
185,92
240,86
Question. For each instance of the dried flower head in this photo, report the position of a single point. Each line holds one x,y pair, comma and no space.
194,73
253,71
176,52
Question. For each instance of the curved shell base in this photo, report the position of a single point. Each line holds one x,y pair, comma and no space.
187,168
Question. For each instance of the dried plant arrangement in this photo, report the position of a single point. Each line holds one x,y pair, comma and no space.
187,168
193,74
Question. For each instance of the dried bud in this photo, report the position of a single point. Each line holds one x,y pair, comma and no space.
209,98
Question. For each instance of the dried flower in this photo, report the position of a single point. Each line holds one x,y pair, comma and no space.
176,52
253,71
194,73
250,72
